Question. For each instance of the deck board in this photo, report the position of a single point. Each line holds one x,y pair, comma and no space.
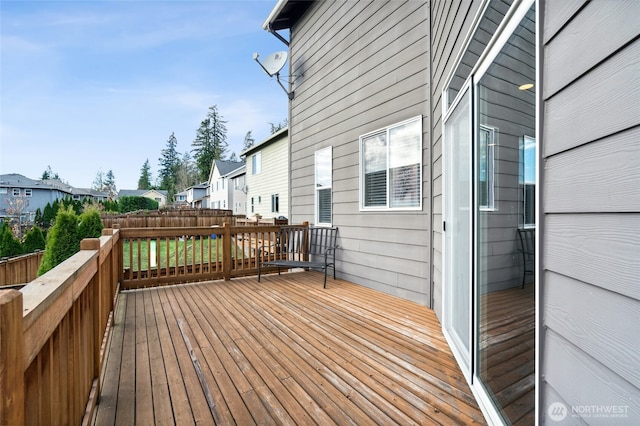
284,351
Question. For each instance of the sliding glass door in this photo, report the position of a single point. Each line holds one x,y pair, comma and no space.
489,169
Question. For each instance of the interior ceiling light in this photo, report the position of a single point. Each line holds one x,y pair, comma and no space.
526,86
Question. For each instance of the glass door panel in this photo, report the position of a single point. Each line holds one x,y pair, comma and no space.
505,308
457,235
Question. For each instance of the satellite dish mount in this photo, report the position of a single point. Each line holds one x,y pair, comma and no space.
272,65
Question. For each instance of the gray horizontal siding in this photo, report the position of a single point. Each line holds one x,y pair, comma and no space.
361,66
591,209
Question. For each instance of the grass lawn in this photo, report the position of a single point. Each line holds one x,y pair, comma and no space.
177,248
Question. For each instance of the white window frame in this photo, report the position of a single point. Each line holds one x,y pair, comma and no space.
321,156
492,143
389,146
15,192
256,163
28,192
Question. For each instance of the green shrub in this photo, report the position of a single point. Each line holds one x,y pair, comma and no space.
90,225
9,244
133,203
34,240
62,240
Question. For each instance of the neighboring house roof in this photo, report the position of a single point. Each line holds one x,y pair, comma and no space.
237,172
15,180
201,185
274,137
141,192
225,166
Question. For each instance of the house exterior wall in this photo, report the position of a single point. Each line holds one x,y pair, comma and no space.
218,191
359,67
590,208
272,180
238,196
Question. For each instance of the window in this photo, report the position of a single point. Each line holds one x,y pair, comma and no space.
256,163
391,167
3,190
486,168
252,205
16,192
275,203
528,181
323,179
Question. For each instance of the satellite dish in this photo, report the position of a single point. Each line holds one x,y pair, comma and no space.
273,63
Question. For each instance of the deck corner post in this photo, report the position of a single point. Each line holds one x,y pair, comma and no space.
226,252
90,244
12,387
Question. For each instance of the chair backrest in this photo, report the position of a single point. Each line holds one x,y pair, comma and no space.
293,241
321,239
527,241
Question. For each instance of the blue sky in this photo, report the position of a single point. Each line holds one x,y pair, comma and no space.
101,85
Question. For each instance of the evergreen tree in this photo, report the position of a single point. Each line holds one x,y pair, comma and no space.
9,244
48,216
62,240
145,176
90,224
169,162
34,240
233,157
210,142
49,174
248,141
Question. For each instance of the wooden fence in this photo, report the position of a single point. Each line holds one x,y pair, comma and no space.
179,218
52,333
20,269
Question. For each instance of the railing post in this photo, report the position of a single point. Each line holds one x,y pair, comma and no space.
96,302
11,358
226,252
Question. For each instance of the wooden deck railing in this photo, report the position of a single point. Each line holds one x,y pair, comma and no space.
20,269
52,333
160,256
53,330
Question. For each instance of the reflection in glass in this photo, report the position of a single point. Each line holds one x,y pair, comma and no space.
505,310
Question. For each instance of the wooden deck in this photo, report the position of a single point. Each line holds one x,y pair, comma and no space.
283,351
508,346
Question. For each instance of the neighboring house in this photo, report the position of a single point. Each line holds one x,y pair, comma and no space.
20,196
237,183
197,195
267,179
220,191
180,199
431,132
159,195
78,194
